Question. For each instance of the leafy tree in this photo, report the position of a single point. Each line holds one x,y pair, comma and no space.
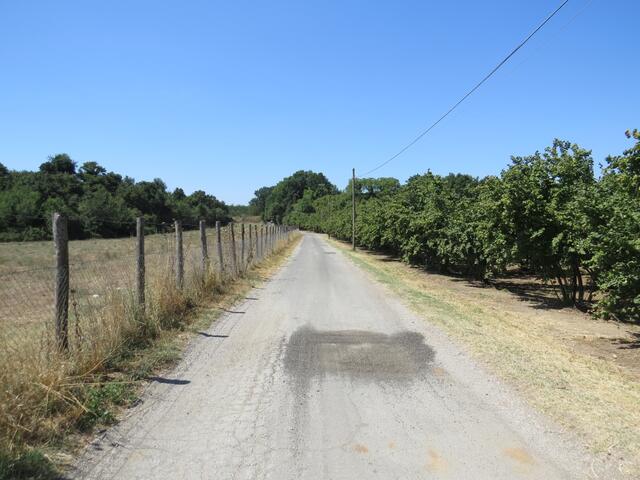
615,236
546,213
60,163
544,207
288,191
97,203
4,177
258,203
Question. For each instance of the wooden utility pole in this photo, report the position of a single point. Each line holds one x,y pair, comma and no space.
140,261
61,243
353,209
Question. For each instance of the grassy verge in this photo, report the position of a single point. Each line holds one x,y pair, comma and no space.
50,403
588,395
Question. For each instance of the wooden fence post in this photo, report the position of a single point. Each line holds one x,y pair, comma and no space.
219,246
242,262
233,249
179,255
140,268
261,241
203,248
250,255
61,244
267,240
255,232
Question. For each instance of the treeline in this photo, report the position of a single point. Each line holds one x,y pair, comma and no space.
547,214
97,203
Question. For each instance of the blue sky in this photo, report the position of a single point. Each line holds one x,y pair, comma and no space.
230,96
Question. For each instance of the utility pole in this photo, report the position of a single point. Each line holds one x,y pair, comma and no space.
353,209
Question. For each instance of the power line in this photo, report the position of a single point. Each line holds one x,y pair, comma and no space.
468,94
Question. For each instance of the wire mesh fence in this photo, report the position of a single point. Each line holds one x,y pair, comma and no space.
103,270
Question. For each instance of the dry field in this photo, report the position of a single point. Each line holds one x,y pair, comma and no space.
582,372
97,268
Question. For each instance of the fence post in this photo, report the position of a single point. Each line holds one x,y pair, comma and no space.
250,255
233,249
267,240
219,246
258,244
179,255
256,240
61,244
203,247
242,262
140,270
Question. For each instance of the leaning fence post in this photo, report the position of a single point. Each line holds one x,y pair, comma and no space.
242,262
203,247
61,244
233,249
179,255
140,270
219,245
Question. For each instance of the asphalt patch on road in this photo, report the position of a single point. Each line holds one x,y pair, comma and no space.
360,355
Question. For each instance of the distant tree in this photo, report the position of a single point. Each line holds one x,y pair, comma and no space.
178,194
288,191
4,177
60,163
239,210
91,169
258,203
372,187
104,215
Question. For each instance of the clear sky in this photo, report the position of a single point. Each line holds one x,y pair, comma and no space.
230,96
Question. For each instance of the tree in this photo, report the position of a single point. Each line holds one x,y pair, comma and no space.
615,236
4,177
258,203
544,209
288,191
60,163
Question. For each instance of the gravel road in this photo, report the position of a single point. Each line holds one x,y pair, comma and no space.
320,373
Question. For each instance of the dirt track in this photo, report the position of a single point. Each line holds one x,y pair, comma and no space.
320,373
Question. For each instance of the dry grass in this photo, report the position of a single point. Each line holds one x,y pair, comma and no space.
114,344
536,350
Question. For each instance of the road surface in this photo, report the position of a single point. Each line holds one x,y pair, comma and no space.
322,374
